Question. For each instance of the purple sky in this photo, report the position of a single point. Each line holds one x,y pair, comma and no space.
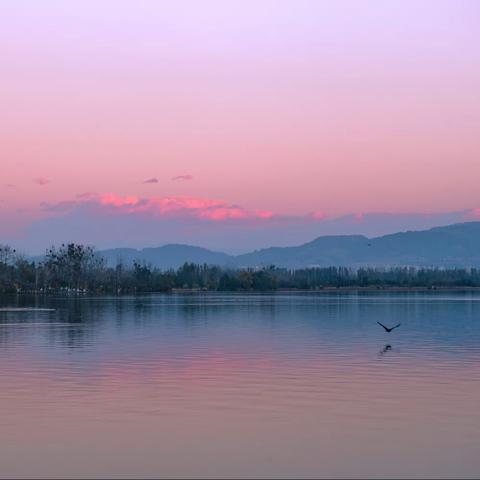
235,124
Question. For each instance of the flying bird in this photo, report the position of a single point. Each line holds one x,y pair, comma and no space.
388,330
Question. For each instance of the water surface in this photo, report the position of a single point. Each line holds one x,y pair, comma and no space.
231,385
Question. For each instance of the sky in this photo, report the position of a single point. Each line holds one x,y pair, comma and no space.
235,124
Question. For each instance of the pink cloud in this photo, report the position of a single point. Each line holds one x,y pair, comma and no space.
473,214
359,217
41,181
317,215
85,195
60,207
183,177
180,206
151,180
175,208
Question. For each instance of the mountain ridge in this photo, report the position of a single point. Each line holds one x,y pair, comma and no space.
451,245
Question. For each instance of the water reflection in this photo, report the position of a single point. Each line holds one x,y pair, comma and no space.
240,385
385,349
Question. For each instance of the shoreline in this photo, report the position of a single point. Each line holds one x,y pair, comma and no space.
184,291
384,289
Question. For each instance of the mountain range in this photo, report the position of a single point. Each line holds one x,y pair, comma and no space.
450,246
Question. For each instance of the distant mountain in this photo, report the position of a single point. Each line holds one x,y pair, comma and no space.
168,256
328,250
453,245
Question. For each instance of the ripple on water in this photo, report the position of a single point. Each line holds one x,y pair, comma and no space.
286,384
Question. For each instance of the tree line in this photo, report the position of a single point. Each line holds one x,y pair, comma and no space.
78,268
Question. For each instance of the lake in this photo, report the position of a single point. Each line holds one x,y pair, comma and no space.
241,385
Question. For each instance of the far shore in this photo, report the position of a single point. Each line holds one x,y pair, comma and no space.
380,289
184,291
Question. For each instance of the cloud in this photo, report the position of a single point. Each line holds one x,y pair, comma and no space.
85,195
316,215
151,180
203,209
359,217
187,209
473,214
41,181
112,220
183,177
65,206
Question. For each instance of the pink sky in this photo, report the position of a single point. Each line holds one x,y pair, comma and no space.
289,108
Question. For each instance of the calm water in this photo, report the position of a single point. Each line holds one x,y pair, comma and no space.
241,386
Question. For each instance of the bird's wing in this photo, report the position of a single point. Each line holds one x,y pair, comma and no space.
381,324
396,326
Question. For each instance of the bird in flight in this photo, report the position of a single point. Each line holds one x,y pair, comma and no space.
388,330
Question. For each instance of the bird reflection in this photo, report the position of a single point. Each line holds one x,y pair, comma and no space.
384,350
